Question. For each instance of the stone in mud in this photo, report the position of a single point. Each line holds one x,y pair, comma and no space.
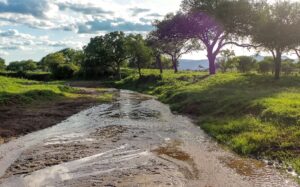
144,113
109,131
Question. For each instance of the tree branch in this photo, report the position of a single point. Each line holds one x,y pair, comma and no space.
241,45
297,51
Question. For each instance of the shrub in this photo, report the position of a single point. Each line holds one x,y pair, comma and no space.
64,71
37,76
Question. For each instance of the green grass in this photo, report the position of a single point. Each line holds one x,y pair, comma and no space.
251,114
14,91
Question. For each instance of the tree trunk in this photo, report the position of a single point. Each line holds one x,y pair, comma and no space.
277,61
158,61
212,62
174,61
119,72
139,69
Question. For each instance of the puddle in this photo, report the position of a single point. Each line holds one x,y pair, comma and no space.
134,141
245,167
172,150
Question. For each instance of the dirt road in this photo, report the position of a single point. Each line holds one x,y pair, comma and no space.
134,141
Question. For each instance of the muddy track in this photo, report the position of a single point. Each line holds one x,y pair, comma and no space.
134,141
20,119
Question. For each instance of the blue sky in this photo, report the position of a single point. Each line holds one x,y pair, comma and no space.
30,29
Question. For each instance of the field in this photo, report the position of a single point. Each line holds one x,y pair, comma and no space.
22,91
251,114
27,106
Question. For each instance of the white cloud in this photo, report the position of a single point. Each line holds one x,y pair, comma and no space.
81,18
71,15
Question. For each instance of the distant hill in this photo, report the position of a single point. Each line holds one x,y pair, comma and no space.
186,64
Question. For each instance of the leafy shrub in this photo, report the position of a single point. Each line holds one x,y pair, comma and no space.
37,76
64,71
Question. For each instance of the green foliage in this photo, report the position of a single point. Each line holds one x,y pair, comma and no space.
72,56
266,66
2,64
227,61
246,64
25,65
105,54
275,29
62,64
140,54
167,40
65,56
52,60
37,76
64,71
288,66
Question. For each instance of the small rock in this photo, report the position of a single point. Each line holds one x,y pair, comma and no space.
270,163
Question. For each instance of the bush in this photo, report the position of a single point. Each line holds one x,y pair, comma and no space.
37,76
288,67
246,64
265,66
64,71
26,65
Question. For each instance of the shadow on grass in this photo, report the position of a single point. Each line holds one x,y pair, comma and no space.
228,95
7,98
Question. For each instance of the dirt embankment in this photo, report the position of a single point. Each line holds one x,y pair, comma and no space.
17,120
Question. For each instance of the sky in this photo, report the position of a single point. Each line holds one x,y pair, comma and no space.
31,29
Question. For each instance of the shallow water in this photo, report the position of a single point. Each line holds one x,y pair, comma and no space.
134,141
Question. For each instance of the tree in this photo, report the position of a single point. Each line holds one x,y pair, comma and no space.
246,64
109,51
72,56
25,65
64,71
216,23
51,61
68,55
155,44
288,66
267,65
2,64
276,29
140,53
170,43
60,67
227,61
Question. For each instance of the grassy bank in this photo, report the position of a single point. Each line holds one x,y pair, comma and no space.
27,106
251,114
21,91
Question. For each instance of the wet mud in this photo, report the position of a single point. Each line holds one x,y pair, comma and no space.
133,141
17,120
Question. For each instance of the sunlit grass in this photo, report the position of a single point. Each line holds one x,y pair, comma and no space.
22,91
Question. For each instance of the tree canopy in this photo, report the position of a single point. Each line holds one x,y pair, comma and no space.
108,52
277,29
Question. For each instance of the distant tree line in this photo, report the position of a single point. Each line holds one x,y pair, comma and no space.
228,62
209,25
